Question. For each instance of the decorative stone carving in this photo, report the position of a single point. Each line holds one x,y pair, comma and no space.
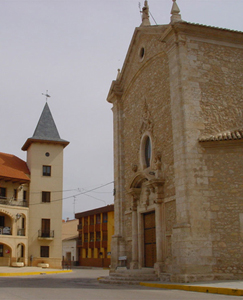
145,14
134,168
147,123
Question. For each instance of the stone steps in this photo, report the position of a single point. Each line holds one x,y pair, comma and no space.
130,276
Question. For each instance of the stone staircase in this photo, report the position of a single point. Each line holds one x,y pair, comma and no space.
120,276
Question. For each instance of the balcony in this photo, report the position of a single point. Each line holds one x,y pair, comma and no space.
21,232
5,231
45,234
12,202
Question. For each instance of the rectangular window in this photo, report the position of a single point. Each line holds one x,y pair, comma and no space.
3,193
91,219
97,236
44,251
98,219
46,171
105,218
86,238
46,196
24,196
91,237
86,221
15,195
1,250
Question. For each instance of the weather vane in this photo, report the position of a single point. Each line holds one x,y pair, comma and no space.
47,95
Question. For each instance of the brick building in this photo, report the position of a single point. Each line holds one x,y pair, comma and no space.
178,159
95,228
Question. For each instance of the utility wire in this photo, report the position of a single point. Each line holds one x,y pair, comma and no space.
81,193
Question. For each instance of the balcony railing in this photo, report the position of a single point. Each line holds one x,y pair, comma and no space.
46,233
21,232
11,202
5,231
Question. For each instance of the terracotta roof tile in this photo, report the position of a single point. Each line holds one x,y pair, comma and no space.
12,167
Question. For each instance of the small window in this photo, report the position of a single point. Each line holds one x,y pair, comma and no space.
2,193
46,196
91,237
46,170
24,196
86,238
105,218
98,219
91,220
97,236
15,194
142,52
44,251
147,152
1,250
86,221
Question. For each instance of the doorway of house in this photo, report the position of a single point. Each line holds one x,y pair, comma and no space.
149,239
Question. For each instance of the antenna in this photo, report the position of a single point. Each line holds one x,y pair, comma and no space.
47,95
74,199
139,6
153,17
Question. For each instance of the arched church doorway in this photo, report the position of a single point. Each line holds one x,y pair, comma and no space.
149,239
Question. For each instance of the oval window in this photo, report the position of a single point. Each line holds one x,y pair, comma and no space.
147,152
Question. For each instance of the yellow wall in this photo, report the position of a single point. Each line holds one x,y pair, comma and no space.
11,251
95,252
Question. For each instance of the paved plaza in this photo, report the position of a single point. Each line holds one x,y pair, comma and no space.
84,284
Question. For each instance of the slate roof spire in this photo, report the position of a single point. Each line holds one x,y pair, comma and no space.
46,130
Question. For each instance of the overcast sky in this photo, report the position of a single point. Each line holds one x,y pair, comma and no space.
73,49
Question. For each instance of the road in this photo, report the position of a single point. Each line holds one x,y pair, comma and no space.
82,284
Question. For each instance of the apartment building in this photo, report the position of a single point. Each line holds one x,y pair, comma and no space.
95,228
31,199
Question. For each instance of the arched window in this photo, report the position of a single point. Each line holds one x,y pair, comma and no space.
147,151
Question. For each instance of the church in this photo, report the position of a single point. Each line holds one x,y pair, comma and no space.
177,109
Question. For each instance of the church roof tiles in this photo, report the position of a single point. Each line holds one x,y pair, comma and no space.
12,167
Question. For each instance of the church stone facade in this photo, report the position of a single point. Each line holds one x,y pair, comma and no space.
178,159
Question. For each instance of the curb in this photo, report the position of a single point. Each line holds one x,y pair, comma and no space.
33,273
194,288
